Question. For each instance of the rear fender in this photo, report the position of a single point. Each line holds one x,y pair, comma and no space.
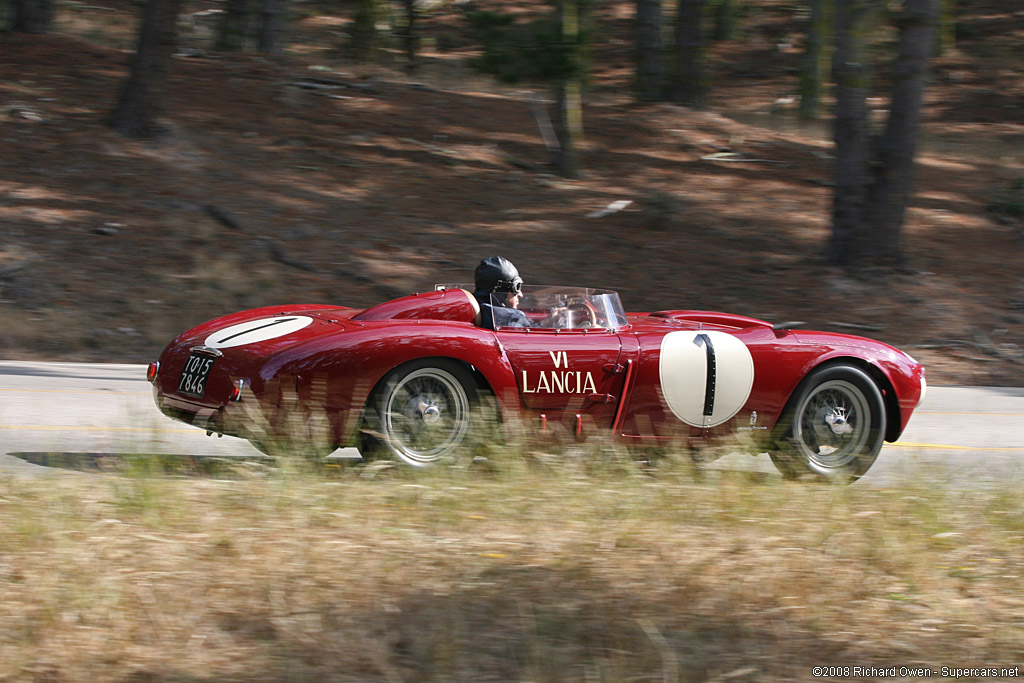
348,369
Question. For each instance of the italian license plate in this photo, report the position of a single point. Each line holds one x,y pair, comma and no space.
194,376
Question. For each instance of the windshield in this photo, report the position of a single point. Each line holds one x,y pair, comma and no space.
558,308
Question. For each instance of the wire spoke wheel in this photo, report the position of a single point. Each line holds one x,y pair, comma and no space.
833,426
425,414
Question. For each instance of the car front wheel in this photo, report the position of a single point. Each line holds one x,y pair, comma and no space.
833,426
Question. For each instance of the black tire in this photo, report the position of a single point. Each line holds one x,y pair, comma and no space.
422,413
833,426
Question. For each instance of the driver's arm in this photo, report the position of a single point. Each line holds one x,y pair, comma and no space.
509,317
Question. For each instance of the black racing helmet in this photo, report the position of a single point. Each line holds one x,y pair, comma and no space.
497,274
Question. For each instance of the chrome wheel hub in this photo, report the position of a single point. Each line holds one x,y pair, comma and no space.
838,422
832,425
430,414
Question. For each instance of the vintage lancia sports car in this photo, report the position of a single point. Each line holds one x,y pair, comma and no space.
404,378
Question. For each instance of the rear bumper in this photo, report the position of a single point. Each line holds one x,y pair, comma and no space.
204,417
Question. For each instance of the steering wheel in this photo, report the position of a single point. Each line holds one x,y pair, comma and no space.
580,314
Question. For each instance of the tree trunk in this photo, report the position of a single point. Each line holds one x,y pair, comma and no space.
689,86
235,27
363,38
31,16
894,157
570,128
142,97
411,37
569,90
649,71
273,20
812,66
947,27
725,12
874,177
851,129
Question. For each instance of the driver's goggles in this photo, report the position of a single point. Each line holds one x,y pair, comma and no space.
515,286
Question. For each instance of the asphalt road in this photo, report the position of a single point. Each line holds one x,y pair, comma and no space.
969,436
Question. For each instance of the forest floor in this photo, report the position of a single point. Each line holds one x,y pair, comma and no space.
350,196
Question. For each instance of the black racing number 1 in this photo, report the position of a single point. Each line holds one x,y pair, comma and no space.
709,384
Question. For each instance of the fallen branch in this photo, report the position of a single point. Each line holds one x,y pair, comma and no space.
305,85
518,163
445,155
279,255
614,207
223,217
736,156
314,82
276,252
855,326
14,267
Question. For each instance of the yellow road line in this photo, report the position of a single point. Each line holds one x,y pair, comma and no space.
928,412
947,447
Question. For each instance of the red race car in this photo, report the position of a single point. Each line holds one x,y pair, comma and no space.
406,377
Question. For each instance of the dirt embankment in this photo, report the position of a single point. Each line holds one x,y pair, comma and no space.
354,195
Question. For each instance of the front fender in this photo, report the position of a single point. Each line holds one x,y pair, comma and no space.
900,378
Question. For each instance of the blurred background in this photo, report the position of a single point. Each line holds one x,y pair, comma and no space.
234,154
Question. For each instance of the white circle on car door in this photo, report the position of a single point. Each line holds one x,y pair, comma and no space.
253,331
706,375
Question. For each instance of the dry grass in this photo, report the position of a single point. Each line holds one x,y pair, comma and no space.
517,572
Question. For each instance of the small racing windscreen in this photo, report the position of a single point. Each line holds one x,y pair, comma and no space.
560,308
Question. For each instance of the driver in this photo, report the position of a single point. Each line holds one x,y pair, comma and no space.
496,274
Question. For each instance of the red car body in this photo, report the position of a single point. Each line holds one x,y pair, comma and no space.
680,375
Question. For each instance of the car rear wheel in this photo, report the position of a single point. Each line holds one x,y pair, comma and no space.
833,426
422,413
